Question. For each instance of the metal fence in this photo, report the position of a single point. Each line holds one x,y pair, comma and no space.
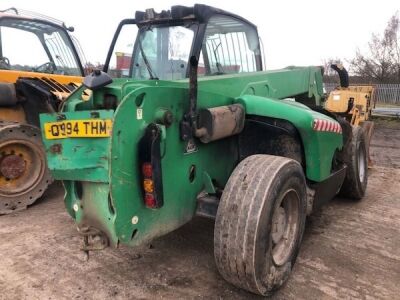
384,93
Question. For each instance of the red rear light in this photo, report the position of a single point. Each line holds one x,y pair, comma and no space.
147,170
150,201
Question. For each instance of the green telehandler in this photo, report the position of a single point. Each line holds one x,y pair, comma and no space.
183,121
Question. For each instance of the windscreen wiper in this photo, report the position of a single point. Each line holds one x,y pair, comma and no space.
146,62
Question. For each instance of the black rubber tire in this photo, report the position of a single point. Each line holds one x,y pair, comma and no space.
353,186
243,235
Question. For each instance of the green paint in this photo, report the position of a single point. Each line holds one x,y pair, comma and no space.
108,167
208,184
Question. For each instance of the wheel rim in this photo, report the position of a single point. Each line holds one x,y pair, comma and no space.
361,164
285,225
22,166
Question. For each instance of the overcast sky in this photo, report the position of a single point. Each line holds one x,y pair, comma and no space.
293,32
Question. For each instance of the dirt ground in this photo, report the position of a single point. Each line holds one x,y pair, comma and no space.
350,250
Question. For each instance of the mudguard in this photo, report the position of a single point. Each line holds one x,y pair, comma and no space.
319,145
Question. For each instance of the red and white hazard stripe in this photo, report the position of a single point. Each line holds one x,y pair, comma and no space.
327,126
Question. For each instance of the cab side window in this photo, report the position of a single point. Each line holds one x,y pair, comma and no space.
230,46
21,50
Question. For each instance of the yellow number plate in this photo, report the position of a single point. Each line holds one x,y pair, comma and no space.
92,128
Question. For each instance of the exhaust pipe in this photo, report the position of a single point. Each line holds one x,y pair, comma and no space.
209,124
343,75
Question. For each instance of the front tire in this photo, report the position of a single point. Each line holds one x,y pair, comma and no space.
260,223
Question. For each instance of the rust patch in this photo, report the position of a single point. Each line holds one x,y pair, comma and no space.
12,166
56,148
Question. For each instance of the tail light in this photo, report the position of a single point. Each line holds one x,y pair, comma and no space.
147,170
150,201
150,164
148,185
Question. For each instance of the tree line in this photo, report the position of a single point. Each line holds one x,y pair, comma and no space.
379,62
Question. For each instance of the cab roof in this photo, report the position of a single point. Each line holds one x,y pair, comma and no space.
200,12
14,13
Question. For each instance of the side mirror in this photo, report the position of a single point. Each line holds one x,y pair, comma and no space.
96,80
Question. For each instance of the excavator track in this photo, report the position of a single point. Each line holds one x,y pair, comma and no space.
24,175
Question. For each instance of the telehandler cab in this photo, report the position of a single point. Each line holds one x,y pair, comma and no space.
194,126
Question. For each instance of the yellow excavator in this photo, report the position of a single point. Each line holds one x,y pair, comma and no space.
40,65
353,102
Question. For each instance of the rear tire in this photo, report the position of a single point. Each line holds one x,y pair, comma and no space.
24,175
356,159
260,223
